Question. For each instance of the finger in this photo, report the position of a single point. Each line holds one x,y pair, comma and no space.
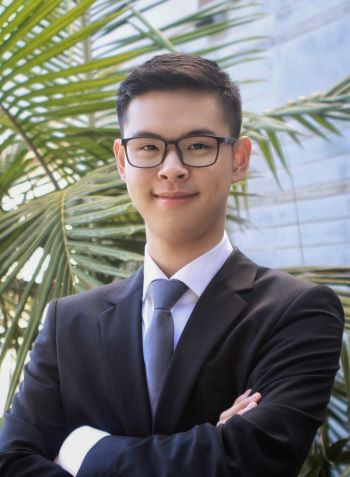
231,411
239,406
247,408
250,406
243,396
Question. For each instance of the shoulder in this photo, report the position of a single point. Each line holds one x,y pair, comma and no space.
97,300
299,299
283,284
273,289
278,281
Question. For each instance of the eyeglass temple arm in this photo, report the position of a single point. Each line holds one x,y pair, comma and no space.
228,140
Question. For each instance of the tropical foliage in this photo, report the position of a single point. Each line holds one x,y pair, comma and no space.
330,453
66,223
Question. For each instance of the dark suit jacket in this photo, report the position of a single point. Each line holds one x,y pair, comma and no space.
252,327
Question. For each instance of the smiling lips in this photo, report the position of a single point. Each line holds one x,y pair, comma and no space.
175,197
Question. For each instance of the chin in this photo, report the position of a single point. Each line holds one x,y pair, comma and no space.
177,234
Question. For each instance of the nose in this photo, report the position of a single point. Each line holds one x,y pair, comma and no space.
172,168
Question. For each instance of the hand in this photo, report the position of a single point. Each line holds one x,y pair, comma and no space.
242,404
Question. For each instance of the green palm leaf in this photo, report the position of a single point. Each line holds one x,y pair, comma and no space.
317,114
49,87
87,234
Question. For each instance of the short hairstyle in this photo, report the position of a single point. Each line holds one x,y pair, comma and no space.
173,71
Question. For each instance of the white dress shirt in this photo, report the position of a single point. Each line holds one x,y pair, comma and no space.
197,276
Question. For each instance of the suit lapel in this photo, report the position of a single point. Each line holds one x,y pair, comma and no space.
216,311
121,334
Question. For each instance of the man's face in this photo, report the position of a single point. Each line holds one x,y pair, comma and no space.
181,204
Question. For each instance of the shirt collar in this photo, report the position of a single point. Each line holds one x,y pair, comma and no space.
196,274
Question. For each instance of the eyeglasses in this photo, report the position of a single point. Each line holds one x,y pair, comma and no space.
193,151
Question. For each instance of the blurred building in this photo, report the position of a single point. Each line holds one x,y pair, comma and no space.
306,221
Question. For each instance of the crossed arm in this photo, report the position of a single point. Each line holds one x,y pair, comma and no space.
294,374
77,445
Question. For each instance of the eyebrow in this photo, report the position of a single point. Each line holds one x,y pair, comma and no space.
193,132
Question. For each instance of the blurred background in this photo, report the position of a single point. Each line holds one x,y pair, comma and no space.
305,221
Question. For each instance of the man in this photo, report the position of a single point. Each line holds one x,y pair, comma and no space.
122,385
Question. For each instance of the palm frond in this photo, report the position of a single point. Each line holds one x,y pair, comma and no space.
83,236
50,85
318,114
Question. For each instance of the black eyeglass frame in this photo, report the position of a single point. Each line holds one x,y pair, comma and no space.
219,140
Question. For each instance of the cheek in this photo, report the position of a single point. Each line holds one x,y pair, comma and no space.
134,193
138,185
220,184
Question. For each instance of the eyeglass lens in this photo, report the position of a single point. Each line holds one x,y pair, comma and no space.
149,152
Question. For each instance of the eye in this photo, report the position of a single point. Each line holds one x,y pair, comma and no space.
148,147
198,145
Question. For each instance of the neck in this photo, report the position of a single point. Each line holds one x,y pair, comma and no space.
172,256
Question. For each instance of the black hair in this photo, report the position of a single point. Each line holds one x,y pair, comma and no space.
173,71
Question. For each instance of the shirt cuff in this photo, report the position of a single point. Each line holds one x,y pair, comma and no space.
76,446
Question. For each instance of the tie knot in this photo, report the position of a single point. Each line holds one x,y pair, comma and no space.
165,293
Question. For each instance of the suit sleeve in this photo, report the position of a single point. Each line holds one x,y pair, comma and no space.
295,372
33,430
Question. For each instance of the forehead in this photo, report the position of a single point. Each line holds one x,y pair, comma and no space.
175,112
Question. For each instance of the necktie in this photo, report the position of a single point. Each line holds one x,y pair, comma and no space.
159,340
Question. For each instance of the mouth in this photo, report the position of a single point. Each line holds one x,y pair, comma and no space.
178,197
175,195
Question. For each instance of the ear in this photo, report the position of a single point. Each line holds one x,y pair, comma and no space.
241,158
119,154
